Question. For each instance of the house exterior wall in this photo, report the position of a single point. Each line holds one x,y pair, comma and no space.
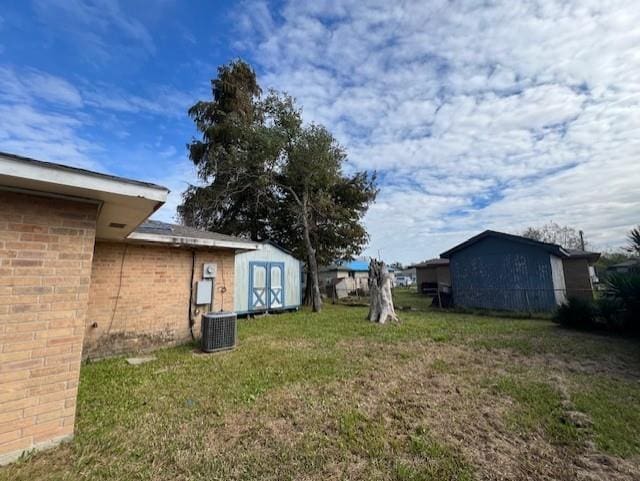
152,308
361,280
501,274
577,278
267,253
326,277
46,248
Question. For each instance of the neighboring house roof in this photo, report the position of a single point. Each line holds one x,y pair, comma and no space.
122,204
180,235
629,263
351,266
554,249
432,263
357,266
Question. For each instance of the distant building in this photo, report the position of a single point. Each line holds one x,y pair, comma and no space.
355,275
405,277
431,274
624,267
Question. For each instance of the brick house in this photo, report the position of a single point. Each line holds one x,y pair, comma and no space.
82,272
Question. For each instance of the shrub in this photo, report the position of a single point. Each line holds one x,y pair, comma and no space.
610,310
626,288
576,313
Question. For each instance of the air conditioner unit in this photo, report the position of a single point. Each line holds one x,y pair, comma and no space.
218,331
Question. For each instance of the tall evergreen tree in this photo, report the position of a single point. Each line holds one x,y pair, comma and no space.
265,175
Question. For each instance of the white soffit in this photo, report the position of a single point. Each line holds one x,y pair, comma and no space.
124,202
184,241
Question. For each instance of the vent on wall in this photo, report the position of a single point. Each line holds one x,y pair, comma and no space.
116,225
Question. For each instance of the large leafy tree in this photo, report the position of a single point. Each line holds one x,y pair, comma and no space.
265,175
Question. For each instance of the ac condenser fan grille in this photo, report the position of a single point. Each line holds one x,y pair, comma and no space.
218,331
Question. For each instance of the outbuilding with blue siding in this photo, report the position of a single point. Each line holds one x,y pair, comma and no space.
494,270
267,280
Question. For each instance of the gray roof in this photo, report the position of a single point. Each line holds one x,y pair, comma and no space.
78,170
629,263
432,263
580,254
554,249
164,228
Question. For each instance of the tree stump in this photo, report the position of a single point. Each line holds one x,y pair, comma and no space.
380,299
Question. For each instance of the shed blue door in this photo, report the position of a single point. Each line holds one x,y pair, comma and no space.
258,286
266,285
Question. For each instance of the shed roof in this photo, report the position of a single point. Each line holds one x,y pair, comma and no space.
580,254
437,262
279,247
554,249
179,235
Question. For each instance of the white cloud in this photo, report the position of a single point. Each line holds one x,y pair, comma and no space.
40,116
28,84
44,135
48,118
159,100
480,115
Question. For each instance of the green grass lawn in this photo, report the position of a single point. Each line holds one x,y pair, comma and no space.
443,396
409,298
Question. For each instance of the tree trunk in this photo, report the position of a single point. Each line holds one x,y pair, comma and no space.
380,299
312,264
308,292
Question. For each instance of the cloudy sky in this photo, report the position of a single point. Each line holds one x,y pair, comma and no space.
476,115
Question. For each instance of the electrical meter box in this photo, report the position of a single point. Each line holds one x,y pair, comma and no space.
204,289
209,270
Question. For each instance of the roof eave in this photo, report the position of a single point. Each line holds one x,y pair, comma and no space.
124,203
183,241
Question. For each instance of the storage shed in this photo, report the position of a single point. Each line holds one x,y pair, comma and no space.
432,273
267,279
494,270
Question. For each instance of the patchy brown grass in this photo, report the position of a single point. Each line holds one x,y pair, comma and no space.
408,394
332,397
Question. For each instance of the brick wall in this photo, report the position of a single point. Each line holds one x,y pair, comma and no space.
152,307
46,248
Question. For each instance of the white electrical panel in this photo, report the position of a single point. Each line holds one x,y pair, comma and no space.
204,289
209,270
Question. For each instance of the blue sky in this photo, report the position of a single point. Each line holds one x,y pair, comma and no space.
476,114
